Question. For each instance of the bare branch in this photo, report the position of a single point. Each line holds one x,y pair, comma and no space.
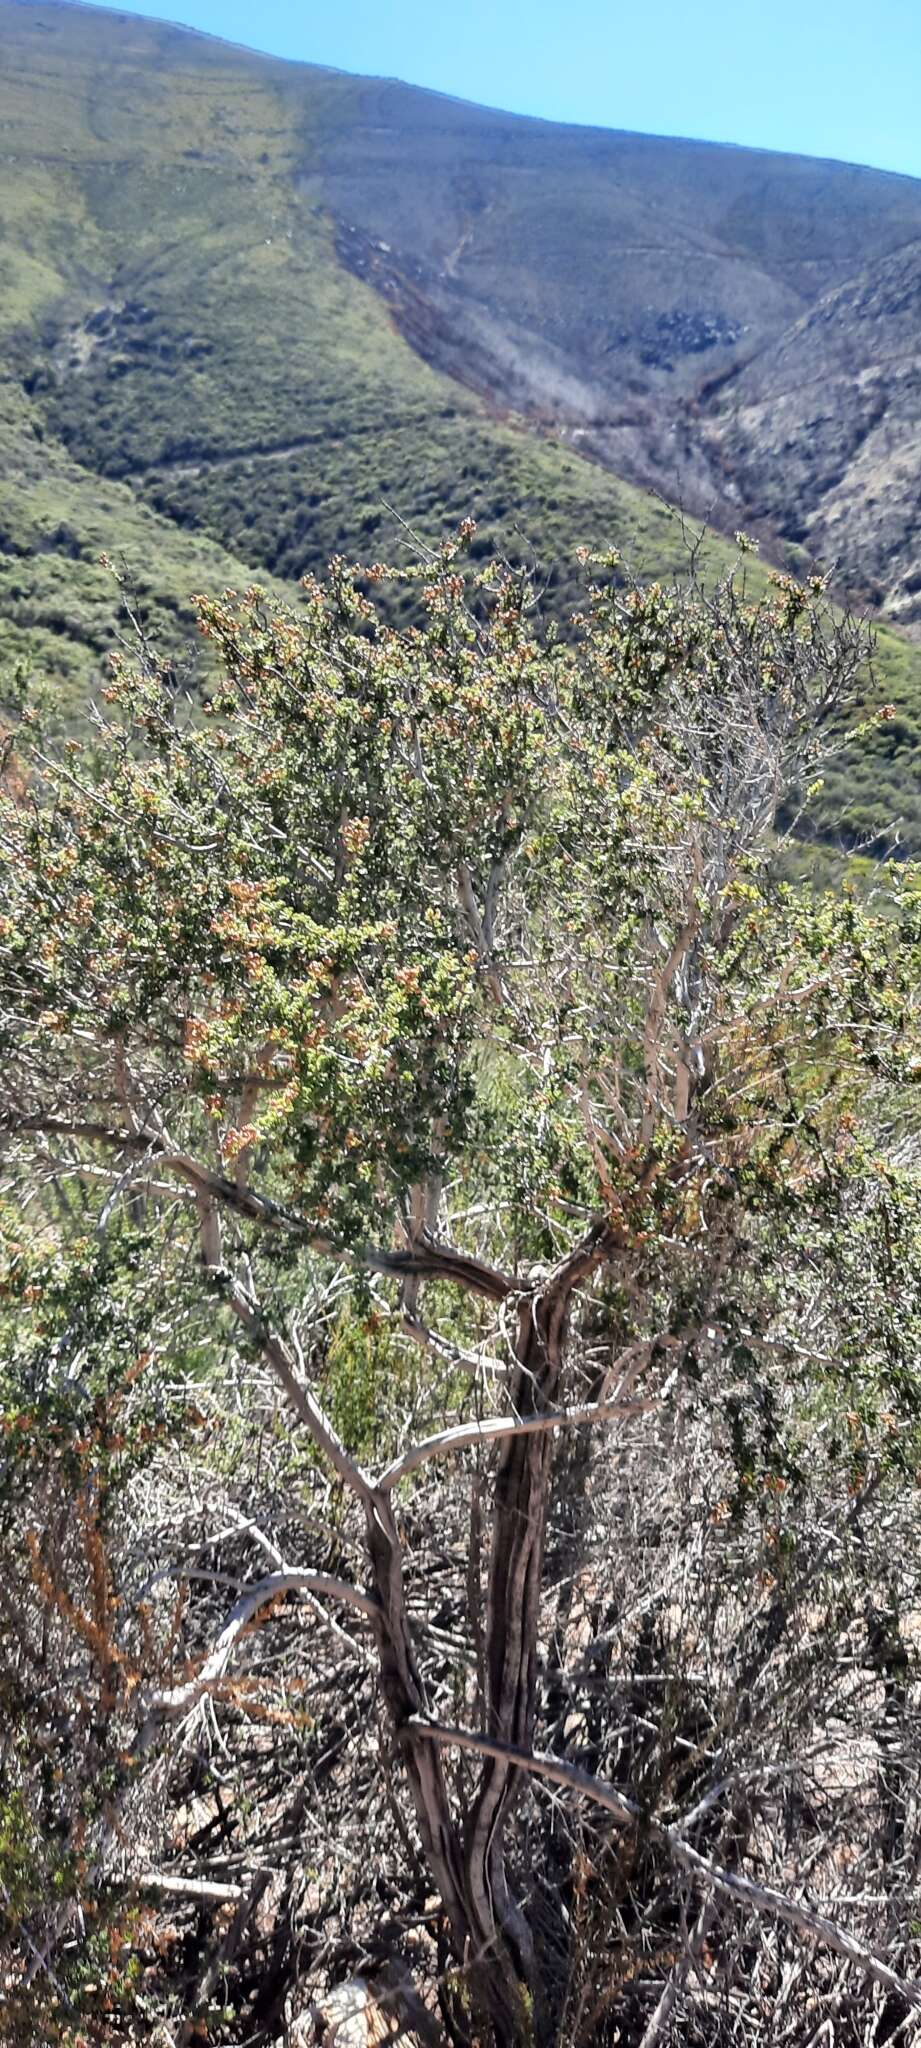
303,1401
171,1702
672,1991
482,937
740,1890
200,1888
466,1434
429,1260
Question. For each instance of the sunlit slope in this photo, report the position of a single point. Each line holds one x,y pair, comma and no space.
60,608
180,319
193,376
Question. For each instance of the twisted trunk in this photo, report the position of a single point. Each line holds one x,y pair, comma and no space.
489,1927
489,1930
518,2004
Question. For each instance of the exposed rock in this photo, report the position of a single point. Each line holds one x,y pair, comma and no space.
362,2013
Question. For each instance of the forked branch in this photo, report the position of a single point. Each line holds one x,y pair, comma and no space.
428,1260
741,1891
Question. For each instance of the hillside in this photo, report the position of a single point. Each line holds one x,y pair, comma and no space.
822,432
175,319
739,329
59,605
254,313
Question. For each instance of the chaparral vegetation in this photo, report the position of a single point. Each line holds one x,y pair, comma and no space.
461,1302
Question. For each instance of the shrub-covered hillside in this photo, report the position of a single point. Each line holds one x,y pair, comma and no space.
194,375
176,319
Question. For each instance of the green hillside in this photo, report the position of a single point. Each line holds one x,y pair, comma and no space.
175,312
59,604
193,379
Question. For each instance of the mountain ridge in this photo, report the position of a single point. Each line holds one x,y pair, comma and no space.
434,92
268,302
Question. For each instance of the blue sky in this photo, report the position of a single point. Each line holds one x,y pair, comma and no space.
835,78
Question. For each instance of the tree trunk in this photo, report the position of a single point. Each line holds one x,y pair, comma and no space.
490,1932
491,1973
512,1624
403,1691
